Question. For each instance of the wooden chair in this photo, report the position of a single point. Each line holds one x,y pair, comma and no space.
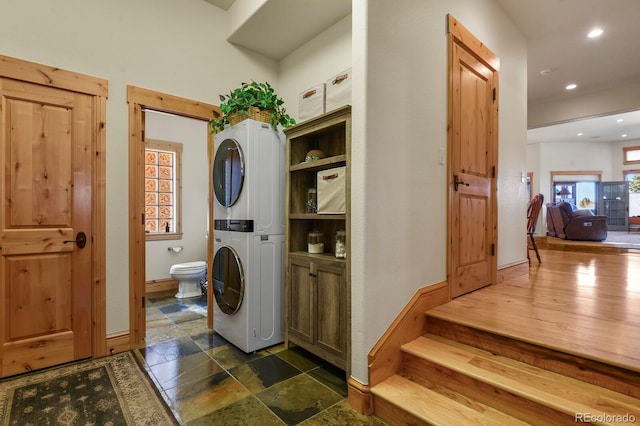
533,211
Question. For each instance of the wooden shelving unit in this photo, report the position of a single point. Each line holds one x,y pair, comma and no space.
318,286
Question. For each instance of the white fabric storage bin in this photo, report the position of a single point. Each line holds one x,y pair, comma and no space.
338,90
331,191
311,102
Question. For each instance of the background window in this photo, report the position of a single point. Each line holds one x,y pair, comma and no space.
631,155
162,173
633,177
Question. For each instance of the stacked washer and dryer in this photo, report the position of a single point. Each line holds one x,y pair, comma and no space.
247,270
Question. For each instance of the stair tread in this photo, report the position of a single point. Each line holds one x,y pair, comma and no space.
435,408
554,390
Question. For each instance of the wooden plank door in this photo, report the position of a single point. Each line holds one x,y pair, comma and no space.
45,275
472,162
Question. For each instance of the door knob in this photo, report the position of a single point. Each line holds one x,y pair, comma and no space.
80,241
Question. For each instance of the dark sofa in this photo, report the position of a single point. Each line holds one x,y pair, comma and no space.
566,223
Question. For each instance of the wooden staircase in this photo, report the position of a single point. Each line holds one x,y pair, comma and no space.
458,375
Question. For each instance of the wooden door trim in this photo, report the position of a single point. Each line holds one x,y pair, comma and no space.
138,100
458,34
44,75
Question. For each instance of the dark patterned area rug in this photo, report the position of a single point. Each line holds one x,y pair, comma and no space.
106,391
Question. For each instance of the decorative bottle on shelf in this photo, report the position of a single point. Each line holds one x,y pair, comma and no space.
315,241
341,244
311,206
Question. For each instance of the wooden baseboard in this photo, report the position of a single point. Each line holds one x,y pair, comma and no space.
158,286
118,343
360,397
512,271
385,358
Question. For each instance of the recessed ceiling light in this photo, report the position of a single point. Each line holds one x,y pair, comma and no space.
624,136
619,120
571,86
579,134
596,32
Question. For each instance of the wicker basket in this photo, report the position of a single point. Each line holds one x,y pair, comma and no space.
254,113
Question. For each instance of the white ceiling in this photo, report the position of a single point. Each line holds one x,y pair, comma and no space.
285,25
556,41
556,32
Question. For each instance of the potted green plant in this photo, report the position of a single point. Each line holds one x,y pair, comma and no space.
252,100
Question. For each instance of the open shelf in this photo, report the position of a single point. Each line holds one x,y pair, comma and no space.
336,160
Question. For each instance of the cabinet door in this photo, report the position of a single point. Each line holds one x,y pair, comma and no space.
301,299
331,321
614,202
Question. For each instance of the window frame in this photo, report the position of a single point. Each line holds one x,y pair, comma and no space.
625,151
176,148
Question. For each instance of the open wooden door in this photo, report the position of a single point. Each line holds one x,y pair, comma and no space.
473,145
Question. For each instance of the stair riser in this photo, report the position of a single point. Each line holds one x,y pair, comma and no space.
600,374
465,389
394,416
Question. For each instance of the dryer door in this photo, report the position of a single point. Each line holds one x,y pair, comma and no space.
228,172
228,280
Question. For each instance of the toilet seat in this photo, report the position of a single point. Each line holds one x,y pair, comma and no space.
189,267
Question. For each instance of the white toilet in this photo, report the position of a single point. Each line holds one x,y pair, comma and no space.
188,275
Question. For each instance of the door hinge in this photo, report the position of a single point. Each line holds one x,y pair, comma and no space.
142,217
493,249
144,302
494,93
493,172
142,131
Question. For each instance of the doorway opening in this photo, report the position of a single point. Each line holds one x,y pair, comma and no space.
140,100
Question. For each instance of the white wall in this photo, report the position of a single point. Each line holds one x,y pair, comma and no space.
399,191
596,103
192,134
616,156
175,47
315,62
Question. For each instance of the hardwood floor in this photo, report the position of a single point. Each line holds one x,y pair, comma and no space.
559,345
586,304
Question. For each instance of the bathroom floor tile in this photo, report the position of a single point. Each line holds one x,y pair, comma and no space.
169,351
300,358
298,398
184,370
261,373
195,327
248,411
228,356
332,377
159,333
195,399
173,308
208,340
208,381
342,414
184,316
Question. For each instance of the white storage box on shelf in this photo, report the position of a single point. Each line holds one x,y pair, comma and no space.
331,191
311,102
338,91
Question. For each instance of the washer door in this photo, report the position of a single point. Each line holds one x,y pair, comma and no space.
228,172
228,280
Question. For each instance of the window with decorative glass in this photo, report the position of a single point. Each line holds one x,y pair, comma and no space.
162,174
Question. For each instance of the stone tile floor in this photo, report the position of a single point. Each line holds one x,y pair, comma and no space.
208,381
